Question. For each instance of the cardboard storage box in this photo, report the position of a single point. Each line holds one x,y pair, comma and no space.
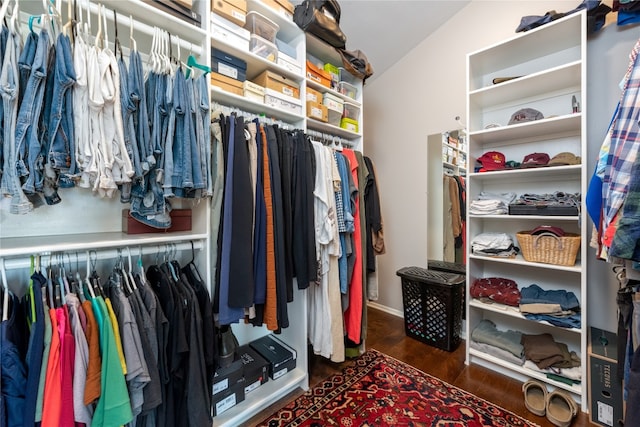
280,356
228,65
234,10
605,389
228,398
318,75
283,102
289,63
229,32
253,91
317,111
256,368
225,378
278,83
263,48
314,95
227,83
283,7
180,221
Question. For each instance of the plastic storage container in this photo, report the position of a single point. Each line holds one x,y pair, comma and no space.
263,48
351,111
432,309
348,89
349,124
262,26
335,107
346,76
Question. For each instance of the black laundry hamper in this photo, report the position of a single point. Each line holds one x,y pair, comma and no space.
432,309
451,267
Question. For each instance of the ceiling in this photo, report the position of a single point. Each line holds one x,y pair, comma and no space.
386,30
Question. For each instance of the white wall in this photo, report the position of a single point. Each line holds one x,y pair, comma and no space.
422,94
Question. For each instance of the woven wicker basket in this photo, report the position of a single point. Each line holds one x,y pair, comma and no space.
548,248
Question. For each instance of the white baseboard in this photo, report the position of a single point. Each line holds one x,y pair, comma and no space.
392,311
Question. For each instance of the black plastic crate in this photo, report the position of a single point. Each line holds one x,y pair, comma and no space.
432,309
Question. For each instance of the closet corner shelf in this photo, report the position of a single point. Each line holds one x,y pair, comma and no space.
519,260
513,312
331,129
83,242
565,124
250,106
524,372
274,389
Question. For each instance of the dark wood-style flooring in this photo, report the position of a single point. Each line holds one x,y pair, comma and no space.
386,334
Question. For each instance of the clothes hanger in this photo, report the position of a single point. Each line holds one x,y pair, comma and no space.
123,275
78,282
129,272
3,10
133,46
50,287
88,276
5,297
61,281
70,22
116,43
141,274
98,39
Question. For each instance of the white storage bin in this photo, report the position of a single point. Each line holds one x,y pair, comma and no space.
262,26
263,48
348,89
334,103
351,111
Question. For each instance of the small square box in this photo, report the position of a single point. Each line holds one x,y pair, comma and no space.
256,368
314,95
263,48
318,75
228,398
281,84
262,26
332,102
317,111
225,378
349,124
281,357
346,76
351,111
347,89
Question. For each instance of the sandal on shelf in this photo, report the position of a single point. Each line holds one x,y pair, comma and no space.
561,408
535,397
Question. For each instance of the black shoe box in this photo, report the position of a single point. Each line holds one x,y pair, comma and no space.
228,398
228,377
280,356
256,368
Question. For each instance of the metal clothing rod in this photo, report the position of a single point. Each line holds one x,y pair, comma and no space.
228,110
149,30
24,262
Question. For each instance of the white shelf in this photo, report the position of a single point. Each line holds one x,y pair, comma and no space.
568,124
526,373
332,129
567,218
560,79
251,106
519,260
260,398
507,310
549,173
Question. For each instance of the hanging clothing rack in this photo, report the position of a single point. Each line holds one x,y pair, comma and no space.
109,253
227,110
332,141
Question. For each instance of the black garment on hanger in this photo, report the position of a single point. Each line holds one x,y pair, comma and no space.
285,151
278,226
303,183
373,215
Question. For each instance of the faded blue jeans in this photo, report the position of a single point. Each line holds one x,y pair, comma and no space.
62,153
9,81
27,138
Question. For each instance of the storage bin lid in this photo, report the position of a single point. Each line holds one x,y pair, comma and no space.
259,24
429,276
447,267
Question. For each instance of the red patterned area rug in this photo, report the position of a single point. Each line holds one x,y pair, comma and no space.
378,390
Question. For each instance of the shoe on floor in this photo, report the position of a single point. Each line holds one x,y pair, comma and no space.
535,397
561,408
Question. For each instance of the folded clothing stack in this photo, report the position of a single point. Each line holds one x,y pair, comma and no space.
493,244
558,307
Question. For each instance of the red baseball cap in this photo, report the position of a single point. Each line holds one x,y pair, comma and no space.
492,161
535,160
